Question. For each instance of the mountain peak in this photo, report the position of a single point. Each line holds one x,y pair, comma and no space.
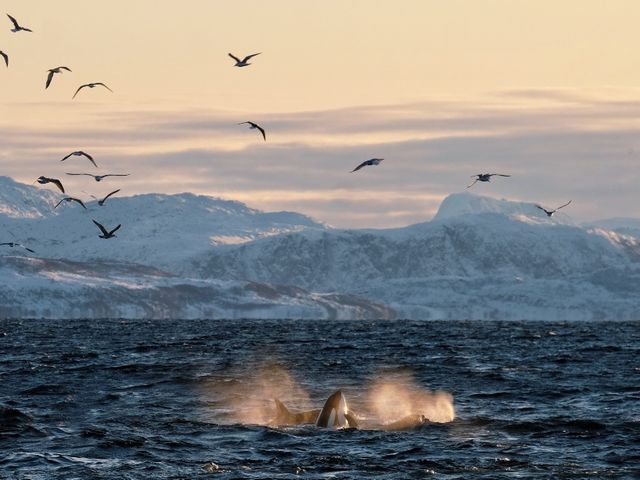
19,200
465,203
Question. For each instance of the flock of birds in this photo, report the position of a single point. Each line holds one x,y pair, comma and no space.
106,233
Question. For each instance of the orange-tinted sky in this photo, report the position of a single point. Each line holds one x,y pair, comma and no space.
441,89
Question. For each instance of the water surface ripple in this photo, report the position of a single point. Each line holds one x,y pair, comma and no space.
155,399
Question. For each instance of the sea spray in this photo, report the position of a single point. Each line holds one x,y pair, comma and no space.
393,397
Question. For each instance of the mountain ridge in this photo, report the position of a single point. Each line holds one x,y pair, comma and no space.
478,258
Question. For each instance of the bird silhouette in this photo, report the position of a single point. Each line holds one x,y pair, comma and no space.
485,177
101,202
52,72
14,244
42,180
71,199
6,58
255,125
106,233
91,85
98,178
367,163
80,153
16,26
551,212
244,62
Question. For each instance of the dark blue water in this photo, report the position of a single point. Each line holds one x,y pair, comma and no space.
160,399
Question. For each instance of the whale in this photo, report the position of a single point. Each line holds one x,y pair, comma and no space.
286,417
406,423
335,413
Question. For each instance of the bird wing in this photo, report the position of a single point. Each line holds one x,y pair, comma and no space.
115,191
66,158
116,175
58,183
27,249
100,83
58,204
79,201
79,88
250,56
499,175
114,230
6,58
66,68
5,243
102,229
562,206
264,135
548,212
90,159
472,183
359,166
234,57
87,174
14,21
242,123
49,78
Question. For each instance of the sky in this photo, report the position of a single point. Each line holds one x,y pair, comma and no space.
546,91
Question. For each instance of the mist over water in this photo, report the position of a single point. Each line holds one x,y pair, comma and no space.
248,394
116,399
392,398
248,397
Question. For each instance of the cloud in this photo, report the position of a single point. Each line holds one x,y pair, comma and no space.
572,147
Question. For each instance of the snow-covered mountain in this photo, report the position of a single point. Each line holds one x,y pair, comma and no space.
625,226
164,231
193,256
479,258
43,288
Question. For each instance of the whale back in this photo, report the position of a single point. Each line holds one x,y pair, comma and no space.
286,417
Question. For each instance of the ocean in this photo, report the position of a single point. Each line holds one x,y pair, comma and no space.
116,399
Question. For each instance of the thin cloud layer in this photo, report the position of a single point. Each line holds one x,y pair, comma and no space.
574,148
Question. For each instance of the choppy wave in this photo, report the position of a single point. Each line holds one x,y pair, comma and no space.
118,399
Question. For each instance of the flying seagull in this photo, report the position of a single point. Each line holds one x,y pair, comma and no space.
485,177
255,125
366,163
42,180
53,71
105,233
16,27
98,178
101,202
14,244
244,62
5,56
80,153
551,212
71,199
91,85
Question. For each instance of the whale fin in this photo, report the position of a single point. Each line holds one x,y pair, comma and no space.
283,415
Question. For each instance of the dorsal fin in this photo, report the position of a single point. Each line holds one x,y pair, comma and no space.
283,414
